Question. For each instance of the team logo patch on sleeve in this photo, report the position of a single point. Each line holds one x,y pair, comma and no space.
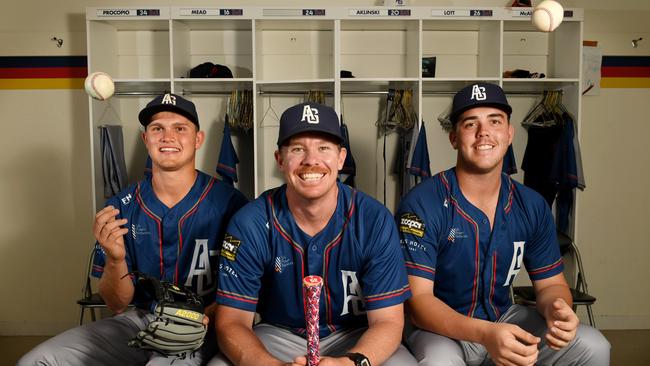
409,223
230,247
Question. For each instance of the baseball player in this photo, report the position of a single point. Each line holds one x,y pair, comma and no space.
466,233
169,226
312,225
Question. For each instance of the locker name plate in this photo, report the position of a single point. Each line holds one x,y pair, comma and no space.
292,12
525,12
461,13
128,12
373,12
211,12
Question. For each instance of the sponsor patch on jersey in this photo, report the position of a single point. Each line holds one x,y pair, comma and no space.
412,245
230,247
226,270
455,233
409,223
139,230
281,263
126,200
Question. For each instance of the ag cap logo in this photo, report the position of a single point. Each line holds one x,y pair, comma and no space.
310,115
230,247
168,99
478,93
409,223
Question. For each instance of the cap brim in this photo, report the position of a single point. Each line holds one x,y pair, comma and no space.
146,114
338,138
504,107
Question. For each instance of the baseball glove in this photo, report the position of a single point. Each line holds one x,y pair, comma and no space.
177,329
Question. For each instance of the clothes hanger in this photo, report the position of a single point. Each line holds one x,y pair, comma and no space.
541,115
269,109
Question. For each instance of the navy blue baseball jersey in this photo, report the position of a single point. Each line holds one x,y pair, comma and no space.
448,240
178,244
265,256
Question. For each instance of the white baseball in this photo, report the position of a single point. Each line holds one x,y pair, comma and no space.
547,15
99,85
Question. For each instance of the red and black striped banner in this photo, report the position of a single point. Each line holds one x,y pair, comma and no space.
43,72
625,72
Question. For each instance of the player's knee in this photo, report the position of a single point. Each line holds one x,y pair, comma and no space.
594,346
434,357
430,349
219,360
440,361
37,357
401,357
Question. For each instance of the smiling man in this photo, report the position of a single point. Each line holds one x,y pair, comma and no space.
312,225
170,227
466,233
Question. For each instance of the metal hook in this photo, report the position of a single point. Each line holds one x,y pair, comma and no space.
635,42
59,41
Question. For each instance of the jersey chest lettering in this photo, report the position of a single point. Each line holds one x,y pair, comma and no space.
352,294
515,264
200,272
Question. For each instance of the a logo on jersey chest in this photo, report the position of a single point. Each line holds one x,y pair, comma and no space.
516,262
229,247
139,230
127,199
455,233
281,263
200,276
352,294
410,223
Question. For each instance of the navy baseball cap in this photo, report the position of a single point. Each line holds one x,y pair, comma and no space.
169,103
309,117
479,95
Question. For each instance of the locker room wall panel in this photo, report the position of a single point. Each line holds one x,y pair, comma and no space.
268,126
225,48
143,54
613,210
362,112
290,52
363,42
45,213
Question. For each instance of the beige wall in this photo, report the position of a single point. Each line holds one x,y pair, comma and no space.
46,212
614,209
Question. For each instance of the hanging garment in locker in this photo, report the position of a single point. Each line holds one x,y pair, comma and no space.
349,169
420,166
401,169
227,164
113,163
538,160
566,173
509,162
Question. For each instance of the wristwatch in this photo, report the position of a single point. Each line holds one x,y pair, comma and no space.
358,359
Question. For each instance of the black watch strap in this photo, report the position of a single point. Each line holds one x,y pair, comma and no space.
358,358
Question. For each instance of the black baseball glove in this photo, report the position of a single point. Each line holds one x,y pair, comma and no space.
178,328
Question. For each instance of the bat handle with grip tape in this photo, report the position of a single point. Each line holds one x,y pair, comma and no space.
311,286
